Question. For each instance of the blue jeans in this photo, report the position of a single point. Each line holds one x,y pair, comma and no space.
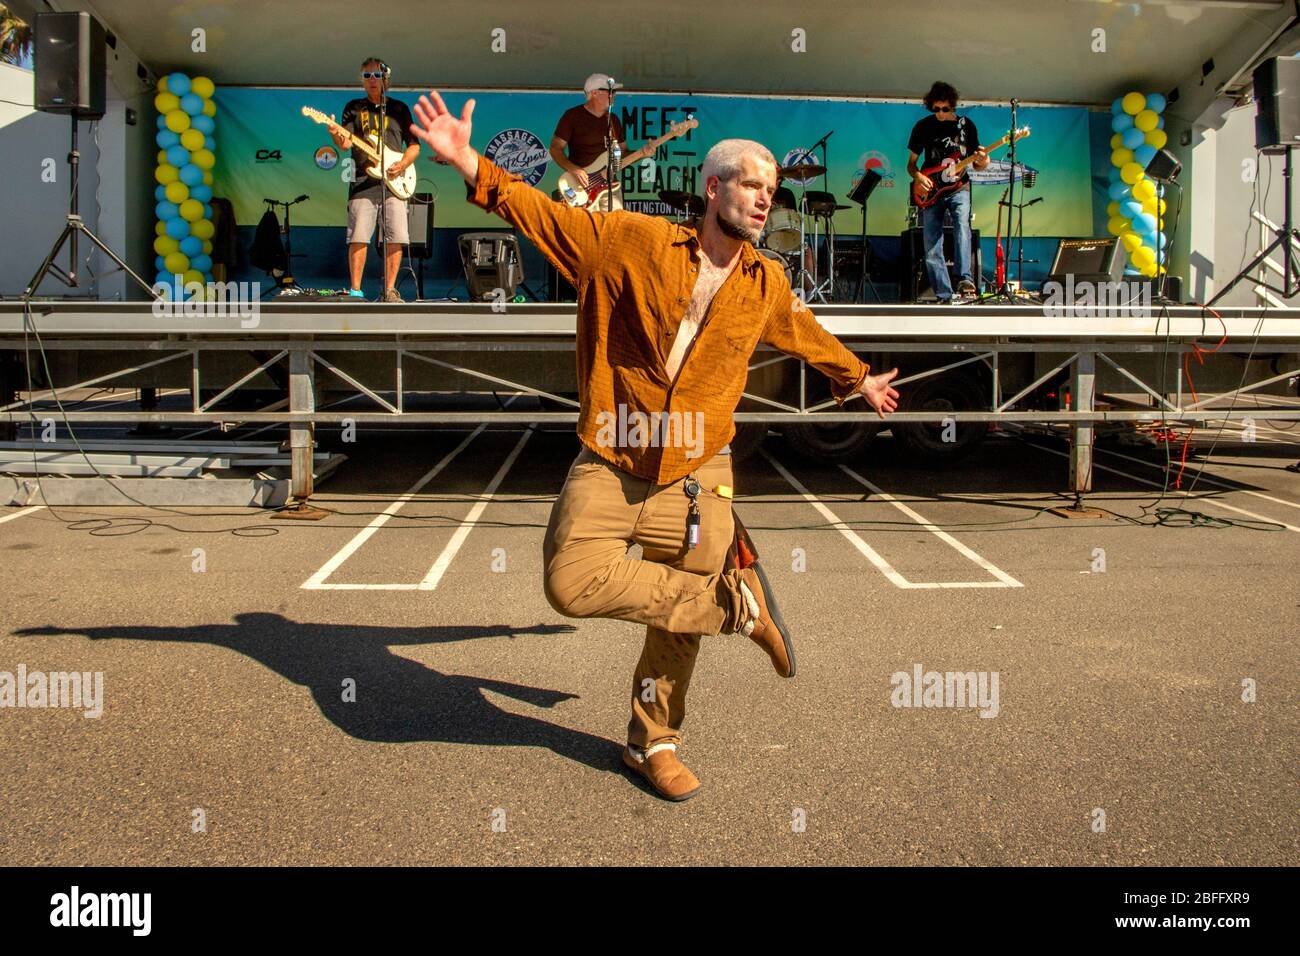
958,201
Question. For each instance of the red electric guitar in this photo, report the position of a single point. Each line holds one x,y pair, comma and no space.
946,176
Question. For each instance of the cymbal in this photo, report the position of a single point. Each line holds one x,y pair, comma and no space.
681,200
802,171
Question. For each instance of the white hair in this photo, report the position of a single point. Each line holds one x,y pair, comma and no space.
723,160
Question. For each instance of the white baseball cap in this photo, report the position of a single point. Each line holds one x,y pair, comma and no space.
599,81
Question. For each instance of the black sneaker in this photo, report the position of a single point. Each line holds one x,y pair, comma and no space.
966,287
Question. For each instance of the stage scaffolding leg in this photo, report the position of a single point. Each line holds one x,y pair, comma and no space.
1083,393
302,435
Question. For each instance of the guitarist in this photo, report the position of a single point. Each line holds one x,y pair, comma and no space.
581,130
941,136
361,117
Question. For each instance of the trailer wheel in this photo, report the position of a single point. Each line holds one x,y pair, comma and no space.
833,441
747,440
924,441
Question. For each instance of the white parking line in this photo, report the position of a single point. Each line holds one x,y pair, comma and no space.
1174,494
19,514
1204,477
885,568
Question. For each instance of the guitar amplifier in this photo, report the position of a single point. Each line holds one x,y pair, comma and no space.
1088,260
914,280
419,224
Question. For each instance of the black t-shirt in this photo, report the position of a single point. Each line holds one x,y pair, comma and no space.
360,118
585,134
934,140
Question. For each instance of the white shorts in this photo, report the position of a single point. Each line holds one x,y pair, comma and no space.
363,213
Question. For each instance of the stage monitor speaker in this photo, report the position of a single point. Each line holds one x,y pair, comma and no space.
69,60
1088,260
914,278
1277,103
419,225
492,261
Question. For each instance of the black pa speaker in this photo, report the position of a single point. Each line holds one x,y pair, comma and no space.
419,225
492,261
70,64
914,279
1277,103
1089,260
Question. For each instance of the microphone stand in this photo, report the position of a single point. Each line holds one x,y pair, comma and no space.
383,185
1011,198
612,148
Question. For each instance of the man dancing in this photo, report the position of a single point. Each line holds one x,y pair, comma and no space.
668,316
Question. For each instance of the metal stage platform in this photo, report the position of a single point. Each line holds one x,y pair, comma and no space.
1004,356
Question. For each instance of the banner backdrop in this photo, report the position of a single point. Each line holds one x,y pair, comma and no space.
269,150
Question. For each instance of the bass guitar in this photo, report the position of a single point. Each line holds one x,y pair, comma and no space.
403,186
946,176
593,194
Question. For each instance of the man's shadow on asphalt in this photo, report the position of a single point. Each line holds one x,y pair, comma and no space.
396,700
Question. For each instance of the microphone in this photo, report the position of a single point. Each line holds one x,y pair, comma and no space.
301,198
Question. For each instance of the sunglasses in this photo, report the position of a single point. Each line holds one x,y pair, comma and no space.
940,109
369,75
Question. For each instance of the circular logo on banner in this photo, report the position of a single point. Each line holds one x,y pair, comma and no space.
327,157
880,163
800,156
520,152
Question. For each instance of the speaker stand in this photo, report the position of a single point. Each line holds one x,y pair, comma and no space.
74,227
1284,237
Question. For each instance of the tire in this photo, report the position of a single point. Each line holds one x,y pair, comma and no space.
833,441
747,440
923,441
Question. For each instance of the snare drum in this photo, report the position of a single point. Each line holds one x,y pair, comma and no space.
781,233
785,263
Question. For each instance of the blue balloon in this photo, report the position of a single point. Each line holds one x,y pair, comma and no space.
191,175
209,144
178,228
207,211
1144,223
159,194
1160,122
202,192
1117,107
1156,102
1143,154
1114,174
178,156
162,122
192,103
1121,122
191,245
1132,137
201,262
166,210
1130,271
204,124
159,263
1130,208
1120,191
166,139
178,83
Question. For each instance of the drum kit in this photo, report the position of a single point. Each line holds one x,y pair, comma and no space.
799,233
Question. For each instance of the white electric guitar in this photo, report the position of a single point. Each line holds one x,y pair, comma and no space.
597,185
403,186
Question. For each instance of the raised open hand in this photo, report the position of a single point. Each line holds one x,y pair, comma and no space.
444,133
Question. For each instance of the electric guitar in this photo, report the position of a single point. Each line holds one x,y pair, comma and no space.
403,186
946,176
593,195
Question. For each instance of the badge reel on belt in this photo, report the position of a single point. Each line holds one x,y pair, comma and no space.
691,487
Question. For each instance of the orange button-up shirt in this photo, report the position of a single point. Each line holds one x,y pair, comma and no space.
634,275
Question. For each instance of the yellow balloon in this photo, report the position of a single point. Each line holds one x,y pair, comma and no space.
192,139
1162,207
203,159
166,245
160,158
166,102
1121,157
1134,103
209,107
1112,209
1148,270
203,228
207,177
1157,138
1131,173
177,192
1143,255
1151,207
162,84
1116,141
193,275
166,174
202,86
1118,225
1131,240
160,228
1146,121
207,247
176,262
191,210
1143,190
178,121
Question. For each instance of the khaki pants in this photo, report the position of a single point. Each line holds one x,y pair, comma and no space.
679,593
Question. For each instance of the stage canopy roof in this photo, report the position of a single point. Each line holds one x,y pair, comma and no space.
1043,51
